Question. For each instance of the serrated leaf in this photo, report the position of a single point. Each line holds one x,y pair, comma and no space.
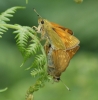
36,71
32,49
8,13
2,30
4,17
22,38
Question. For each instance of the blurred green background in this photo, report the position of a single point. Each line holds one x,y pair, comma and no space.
80,76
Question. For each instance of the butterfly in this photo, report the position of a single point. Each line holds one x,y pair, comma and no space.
58,36
58,60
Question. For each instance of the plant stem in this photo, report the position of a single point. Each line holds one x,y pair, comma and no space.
10,26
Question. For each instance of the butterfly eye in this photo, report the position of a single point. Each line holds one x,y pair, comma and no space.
42,22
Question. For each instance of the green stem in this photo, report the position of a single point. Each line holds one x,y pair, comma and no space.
10,26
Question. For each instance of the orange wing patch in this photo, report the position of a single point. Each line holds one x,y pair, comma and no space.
66,35
54,25
60,60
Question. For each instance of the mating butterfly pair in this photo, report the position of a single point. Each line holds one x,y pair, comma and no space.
60,46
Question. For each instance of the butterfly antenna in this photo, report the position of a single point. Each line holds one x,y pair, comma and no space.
65,85
36,12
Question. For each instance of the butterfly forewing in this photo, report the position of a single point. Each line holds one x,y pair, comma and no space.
69,40
54,39
54,25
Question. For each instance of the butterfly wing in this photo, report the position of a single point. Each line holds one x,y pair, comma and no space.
61,60
61,27
46,30
70,41
66,35
73,51
54,38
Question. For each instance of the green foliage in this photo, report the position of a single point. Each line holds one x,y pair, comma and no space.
29,45
4,17
2,90
26,47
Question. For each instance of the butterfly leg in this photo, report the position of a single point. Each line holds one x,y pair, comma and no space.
35,28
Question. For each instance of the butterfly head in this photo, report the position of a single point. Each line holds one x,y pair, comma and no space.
52,72
43,22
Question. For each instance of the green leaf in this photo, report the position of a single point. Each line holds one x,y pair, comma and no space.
22,38
4,17
32,49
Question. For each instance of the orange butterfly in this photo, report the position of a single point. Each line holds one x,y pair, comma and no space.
58,36
58,60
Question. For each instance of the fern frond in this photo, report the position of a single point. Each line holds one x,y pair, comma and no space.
38,65
4,17
2,30
39,61
37,71
32,49
22,38
27,42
